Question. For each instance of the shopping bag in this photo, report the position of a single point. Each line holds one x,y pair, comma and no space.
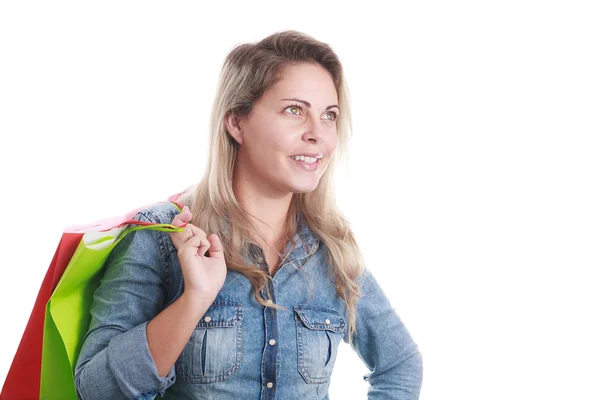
23,379
67,312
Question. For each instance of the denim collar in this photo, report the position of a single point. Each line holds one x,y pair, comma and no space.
305,243
304,238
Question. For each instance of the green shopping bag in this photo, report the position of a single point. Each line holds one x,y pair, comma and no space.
67,316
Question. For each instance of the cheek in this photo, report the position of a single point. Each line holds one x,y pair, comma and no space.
282,143
265,141
333,142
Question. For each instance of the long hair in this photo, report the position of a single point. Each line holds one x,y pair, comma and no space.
247,72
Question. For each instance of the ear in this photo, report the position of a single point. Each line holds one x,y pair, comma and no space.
232,123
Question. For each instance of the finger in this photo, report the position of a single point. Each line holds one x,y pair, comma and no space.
189,232
197,242
203,248
181,220
195,230
216,247
183,217
179,238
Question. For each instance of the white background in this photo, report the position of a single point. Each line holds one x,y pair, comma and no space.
473,179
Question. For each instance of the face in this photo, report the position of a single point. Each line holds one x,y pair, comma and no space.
296,117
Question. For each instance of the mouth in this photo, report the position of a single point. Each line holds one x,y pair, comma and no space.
306,163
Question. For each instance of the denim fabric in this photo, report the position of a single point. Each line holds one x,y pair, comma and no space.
239,349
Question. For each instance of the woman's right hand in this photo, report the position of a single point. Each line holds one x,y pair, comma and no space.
203,276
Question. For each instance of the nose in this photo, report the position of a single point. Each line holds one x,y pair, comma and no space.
315,133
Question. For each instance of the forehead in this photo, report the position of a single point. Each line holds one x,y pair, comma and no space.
305,81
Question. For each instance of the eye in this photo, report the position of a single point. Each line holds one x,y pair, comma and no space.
294,106
334,115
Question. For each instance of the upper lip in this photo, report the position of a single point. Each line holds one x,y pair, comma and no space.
314,155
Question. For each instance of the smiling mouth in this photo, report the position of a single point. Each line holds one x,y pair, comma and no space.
307,166
307,160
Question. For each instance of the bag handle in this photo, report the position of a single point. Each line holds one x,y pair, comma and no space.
153,225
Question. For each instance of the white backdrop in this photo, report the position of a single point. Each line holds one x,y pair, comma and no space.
473,179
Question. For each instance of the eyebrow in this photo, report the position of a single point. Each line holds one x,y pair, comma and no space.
307,104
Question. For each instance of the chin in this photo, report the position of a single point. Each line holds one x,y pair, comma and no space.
303,191
303,188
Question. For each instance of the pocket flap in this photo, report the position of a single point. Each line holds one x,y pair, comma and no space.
221,314
320,318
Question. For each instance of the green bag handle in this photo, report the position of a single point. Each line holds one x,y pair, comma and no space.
139,225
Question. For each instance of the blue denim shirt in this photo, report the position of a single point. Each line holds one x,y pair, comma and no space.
239,349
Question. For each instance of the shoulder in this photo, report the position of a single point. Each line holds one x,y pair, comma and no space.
160,213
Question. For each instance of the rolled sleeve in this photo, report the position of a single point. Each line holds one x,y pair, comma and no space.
133,366
385,346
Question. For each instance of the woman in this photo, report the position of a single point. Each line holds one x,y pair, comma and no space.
252,299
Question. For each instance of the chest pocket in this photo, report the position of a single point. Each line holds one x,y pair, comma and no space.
214,351
318,334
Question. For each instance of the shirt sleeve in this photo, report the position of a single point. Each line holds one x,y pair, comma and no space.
115,360
385,346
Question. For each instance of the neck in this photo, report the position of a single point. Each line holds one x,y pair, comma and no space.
270,210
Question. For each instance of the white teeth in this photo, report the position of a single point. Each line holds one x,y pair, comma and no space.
308,160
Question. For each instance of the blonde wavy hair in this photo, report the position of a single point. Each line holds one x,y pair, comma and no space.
248,71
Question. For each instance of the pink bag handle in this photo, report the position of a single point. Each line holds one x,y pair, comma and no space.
117,222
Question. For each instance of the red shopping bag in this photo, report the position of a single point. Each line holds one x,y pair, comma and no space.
23,379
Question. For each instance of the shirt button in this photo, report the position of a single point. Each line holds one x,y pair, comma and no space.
207,319
327,321
272,342
270,385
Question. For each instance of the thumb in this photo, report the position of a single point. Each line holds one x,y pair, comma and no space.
216,247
